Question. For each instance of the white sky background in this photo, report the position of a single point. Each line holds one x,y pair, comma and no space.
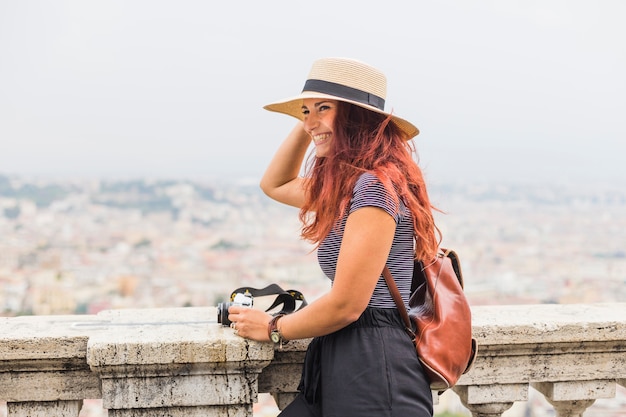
501,90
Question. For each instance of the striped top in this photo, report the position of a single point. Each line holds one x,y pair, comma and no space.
369,191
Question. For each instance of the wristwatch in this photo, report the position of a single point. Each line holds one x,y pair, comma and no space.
273,331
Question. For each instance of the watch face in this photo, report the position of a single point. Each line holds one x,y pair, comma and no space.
275,337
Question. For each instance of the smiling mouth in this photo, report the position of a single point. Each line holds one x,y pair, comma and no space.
319,139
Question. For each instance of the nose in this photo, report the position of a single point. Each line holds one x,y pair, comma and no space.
310,122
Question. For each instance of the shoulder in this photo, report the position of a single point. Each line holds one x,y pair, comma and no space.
369,190
367,180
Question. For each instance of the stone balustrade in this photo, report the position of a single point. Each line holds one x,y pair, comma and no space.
181,362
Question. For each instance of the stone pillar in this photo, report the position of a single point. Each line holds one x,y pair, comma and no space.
43,371
175,362
282,376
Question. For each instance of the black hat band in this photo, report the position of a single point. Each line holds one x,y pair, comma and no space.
349,93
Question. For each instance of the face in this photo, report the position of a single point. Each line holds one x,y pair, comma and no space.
319,117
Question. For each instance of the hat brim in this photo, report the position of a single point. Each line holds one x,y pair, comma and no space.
292,106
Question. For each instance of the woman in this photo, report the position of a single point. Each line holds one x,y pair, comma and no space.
364,203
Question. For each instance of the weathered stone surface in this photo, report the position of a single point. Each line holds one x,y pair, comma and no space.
213,411
576,390
42,358
49,386
175,362
28,338
525,343
549,323
179,390
45,409
484,394
283,374
169,336
165,360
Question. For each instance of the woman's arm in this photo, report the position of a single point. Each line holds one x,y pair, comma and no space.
366,244
280,180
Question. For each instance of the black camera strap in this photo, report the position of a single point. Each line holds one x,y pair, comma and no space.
287,298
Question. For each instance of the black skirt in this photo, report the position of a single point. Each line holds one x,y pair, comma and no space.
369,368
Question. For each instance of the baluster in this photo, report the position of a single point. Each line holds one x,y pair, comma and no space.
491,400
571,399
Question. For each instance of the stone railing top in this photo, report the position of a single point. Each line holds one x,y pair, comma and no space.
178,335
167,336
549,323
43,337
126,337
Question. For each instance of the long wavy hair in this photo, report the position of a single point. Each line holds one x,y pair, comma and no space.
365,141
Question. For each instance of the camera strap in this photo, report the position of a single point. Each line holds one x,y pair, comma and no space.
287,298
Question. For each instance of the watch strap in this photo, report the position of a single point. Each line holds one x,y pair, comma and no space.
272,328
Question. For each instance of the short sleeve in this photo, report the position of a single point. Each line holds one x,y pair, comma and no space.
369,191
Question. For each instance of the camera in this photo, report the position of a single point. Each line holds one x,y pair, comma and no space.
239,299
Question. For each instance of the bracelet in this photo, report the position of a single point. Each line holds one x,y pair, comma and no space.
274,332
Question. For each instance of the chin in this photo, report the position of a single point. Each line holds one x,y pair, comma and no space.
321,152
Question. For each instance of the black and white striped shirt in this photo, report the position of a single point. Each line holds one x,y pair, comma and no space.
369,191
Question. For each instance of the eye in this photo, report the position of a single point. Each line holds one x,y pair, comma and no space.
305,111
324,106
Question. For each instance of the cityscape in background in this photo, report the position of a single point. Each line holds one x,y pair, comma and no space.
79,247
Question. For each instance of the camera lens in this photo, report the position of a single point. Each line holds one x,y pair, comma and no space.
222,314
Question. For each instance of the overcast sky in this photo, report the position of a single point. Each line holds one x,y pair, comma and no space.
511,90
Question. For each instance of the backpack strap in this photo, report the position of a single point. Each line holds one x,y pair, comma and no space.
397,298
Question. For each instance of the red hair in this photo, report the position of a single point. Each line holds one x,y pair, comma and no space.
365,141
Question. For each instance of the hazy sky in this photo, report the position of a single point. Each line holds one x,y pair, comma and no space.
528,90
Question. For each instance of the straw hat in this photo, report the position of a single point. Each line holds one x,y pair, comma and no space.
346,80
